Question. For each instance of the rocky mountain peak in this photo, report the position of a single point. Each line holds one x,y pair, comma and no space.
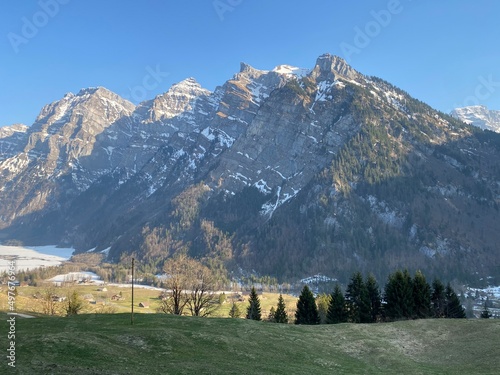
246,68
330,66
103,94
180,99
57,112
187,84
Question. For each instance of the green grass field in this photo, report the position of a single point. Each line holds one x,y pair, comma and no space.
164,344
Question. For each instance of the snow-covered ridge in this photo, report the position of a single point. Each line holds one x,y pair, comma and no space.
7,131
480,116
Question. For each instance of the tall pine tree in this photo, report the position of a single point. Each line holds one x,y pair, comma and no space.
438,299
357,300
421,296
453,307
307,311
253,309
280,315
337,312
374,298
399,296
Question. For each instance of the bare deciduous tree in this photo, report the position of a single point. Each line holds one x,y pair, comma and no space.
177,271
190,284
48,302
202,300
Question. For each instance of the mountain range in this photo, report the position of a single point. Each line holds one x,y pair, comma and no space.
286,172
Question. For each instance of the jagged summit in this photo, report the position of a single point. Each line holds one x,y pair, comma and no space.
189,82
91,90
327,64
247,68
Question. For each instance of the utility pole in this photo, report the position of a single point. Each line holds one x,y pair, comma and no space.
132,313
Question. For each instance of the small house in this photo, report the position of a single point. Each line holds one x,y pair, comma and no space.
58,298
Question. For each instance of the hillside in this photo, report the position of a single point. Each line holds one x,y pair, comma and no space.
321,170
159,344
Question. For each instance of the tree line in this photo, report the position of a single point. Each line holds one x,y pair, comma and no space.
404,297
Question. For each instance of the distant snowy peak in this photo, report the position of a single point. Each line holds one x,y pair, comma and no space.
7,131
479,116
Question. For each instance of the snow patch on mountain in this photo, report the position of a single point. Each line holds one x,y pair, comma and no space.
292,70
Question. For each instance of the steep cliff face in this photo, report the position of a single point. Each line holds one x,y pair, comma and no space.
294,134
313,170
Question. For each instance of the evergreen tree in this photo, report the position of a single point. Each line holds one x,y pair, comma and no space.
74,304
421,296
399,296
253,309
307,311
270,317
438,299
337,312
374,298
280,315
453,307
357,300
235,311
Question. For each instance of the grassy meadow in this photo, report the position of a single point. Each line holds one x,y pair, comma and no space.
165,344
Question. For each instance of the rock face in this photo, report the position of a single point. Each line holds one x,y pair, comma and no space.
480,116
320,170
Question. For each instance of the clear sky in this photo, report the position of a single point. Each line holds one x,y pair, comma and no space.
445,52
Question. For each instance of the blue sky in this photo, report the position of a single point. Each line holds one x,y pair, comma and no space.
444,53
